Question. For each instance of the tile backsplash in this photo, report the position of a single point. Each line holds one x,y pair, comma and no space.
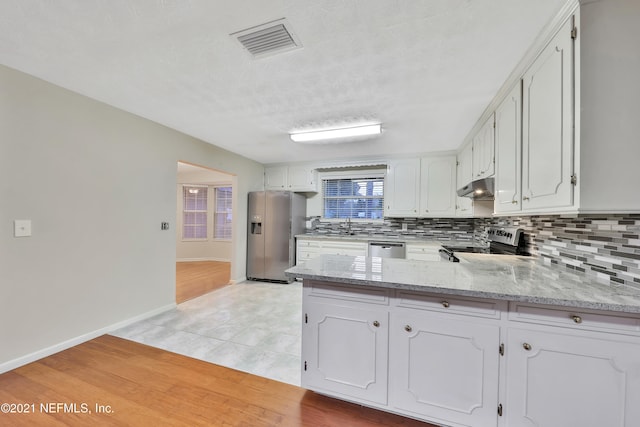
458,229
604,246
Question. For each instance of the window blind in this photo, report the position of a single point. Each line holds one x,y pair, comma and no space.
358,198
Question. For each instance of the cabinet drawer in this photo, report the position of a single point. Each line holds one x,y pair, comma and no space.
346,292
304,255
575,318
344,245
448,304
308,244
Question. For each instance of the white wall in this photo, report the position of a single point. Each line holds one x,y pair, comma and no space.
96,182
201,250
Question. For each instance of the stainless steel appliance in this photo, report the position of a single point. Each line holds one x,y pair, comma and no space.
275,217
480,189
387,249
502,241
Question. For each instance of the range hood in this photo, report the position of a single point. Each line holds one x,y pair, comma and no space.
480,189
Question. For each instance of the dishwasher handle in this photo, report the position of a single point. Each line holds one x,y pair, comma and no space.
387,249
385,245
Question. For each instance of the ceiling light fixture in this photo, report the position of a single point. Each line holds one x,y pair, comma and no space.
326,134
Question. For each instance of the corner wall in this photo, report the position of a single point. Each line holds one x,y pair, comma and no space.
96,182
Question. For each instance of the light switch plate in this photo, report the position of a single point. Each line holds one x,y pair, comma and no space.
22,228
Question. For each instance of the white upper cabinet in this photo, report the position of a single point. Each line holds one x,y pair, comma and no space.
302,178
464,172
291,178
420,187
508,143
547,161
402,188
465,168
275,178
438,186
483,151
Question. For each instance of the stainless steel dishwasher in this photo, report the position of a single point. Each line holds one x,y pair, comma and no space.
387,249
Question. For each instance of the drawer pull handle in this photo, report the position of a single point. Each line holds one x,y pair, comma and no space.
408,328
376,323
526,346
445,304
576,318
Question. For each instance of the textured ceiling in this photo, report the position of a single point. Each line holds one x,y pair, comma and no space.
425,68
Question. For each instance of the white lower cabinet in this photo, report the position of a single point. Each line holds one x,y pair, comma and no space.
557,379
345,343
307,248
332,247
571,367
471,362
422,252
444,368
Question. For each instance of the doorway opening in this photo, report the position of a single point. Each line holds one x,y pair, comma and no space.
204,225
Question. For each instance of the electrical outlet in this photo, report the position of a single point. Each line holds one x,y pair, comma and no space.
22,228
164,226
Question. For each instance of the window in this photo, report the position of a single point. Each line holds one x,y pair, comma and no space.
222,214
358,198
194,212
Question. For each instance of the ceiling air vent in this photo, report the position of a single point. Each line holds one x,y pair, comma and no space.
268,39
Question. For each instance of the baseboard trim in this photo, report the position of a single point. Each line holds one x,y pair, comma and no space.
202,259
236,281
56,348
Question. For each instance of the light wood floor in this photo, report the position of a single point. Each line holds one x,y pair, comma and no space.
197,278
146,386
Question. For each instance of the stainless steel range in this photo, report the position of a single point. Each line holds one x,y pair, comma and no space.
502,241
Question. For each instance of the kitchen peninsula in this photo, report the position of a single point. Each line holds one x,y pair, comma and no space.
487,341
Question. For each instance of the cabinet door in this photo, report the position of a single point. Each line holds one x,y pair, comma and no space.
465,167
306,249
483,151
562,380
444,368
402,188
275,178
344,351
438,186
464,205
508,142
301,178
547,146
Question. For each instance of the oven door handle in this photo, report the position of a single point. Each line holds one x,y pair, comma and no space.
448,255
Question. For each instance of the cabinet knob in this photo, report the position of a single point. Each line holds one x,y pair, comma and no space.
408,328
526,346
514,202
445,304
525,198
576,318
376,323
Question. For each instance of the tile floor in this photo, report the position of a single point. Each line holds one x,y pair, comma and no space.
251,326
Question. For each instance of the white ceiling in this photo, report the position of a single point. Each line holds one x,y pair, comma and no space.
425,68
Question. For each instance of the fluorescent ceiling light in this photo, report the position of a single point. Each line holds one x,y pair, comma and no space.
321,135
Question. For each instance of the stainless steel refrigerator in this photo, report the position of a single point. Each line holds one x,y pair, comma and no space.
275,217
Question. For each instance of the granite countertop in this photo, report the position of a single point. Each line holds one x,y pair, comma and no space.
503,277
